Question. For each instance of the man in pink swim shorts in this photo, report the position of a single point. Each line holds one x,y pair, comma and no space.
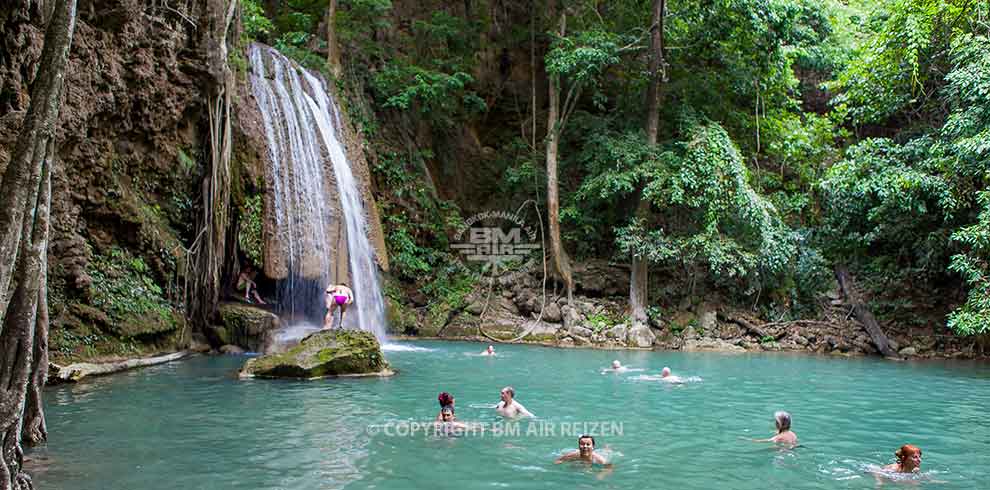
337,296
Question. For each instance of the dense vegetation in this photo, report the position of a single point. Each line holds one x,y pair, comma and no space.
794,136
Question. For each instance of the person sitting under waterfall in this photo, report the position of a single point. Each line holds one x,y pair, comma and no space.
509,407
245,282
337,296
784,433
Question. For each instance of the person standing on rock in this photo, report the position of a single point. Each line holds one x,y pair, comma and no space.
337,296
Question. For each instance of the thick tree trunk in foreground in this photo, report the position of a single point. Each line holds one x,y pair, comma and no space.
24,213
37,129
863,313
17,339
561,262
639,280
35,429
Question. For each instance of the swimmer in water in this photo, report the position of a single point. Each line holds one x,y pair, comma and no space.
908,460
666,377
490,351
784,433
586,452
448,424
446,400
509,407
617,367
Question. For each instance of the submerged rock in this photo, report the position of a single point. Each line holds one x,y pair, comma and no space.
323,353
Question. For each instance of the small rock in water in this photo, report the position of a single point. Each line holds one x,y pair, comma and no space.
231,349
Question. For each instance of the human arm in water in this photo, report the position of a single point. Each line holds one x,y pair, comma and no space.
521,410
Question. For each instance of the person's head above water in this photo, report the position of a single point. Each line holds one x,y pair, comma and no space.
665,372
783,421
616,364
447,413
445,399
490,349
507,394
586,445
909,458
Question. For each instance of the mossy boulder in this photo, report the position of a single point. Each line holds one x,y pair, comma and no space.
321,354
246,326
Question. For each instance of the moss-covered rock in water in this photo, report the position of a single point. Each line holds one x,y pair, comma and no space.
246,326
324,353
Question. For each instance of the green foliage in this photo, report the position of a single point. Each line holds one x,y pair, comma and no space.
974,266
125,290
604,320
709,216
439,97
903,62
448,290
889,197
583,57
249,236
256,25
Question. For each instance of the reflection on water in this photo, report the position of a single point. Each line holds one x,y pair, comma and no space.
193,424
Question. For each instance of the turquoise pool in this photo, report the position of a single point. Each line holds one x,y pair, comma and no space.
193,424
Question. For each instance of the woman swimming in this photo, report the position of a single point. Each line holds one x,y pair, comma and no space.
908,460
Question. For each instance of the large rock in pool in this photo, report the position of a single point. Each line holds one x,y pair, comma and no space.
321,354
246,326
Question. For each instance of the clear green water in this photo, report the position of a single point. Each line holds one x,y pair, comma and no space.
192,424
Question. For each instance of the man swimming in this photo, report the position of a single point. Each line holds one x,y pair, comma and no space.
509,407
338,296
490,351
617,367
586,452
784,433
666,377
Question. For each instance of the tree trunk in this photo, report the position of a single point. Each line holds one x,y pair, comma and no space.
639,280
37,129
561,262
333,54
863,313
17,339
24,240
35,430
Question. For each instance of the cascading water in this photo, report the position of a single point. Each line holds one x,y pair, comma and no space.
298,114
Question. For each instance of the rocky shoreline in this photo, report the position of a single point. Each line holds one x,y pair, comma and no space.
597,318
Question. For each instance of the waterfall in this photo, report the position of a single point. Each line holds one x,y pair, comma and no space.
302,126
